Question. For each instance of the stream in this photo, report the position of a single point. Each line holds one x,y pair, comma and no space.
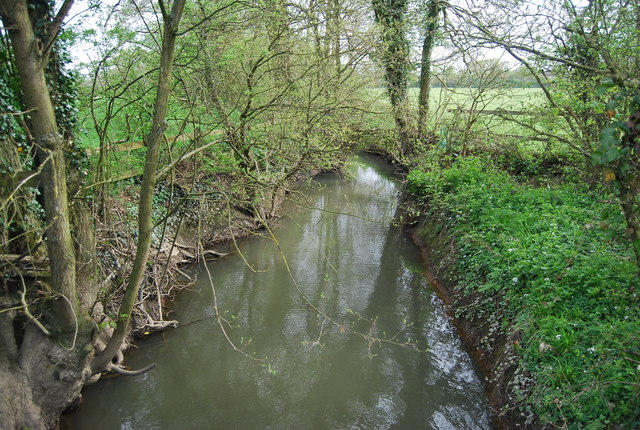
339,327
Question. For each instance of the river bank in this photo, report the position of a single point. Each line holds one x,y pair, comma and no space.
493,354
497,295
439,254
542,288
203,228
196,220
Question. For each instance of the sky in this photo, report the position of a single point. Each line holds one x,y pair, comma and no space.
82,18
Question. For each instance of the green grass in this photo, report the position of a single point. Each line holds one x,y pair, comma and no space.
128,127
456,118
552,271
131,125
443,100
443,122
493,99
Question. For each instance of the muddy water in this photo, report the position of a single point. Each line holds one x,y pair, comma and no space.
312,323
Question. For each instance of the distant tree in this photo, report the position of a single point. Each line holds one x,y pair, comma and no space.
286,98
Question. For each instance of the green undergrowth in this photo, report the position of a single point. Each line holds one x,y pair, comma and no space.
550,271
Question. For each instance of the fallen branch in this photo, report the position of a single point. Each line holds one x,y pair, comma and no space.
26,259
25,310
208,255
494,112
184,274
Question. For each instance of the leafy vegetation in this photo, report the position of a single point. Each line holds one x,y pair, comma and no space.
545,268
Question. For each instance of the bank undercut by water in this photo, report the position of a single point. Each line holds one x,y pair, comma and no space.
546,287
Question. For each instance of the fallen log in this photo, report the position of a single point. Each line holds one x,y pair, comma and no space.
23,259
27,265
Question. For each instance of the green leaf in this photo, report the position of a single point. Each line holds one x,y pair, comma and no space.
608,139
612,105
607,83
611,155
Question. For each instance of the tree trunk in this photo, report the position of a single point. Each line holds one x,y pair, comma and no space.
279,31
431,29
334,34
629,181
628,198
85,247
30,62
390,15
145,221
43,365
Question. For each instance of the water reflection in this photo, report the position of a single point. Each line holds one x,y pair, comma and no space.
361,273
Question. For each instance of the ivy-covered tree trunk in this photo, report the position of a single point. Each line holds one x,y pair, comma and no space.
171,21
390,16
629,182
431,29
43,361
31,57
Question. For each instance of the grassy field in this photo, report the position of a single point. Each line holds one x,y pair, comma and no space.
445,100
451,98
128,126
442,102
503,98
450,113
125,136
466,118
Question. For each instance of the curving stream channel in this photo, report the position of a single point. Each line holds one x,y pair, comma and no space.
354,279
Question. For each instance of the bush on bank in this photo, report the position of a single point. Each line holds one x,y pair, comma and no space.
548,271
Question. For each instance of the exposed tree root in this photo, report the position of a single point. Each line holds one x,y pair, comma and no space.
121,371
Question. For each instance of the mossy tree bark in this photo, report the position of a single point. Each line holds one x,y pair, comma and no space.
391,17
431,29
43,365
171,21
31,55
629,182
